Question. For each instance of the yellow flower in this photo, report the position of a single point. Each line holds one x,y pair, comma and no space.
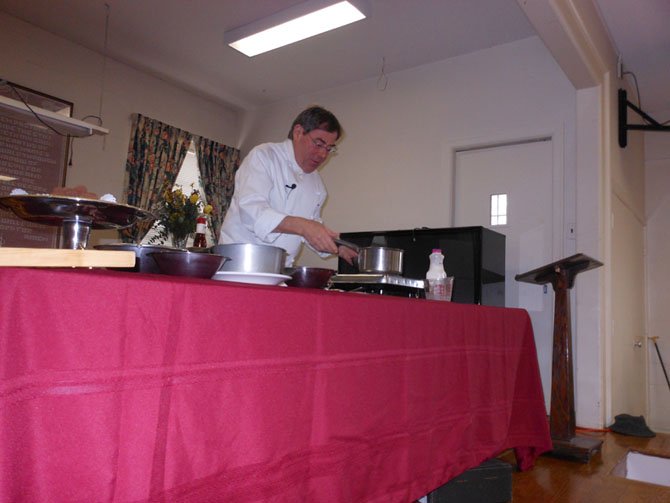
177,214
208,209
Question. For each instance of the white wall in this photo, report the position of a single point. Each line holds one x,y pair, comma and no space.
41,61
586,295
390,169
657,153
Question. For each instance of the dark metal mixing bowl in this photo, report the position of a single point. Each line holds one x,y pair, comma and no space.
186,263
309,277
144,262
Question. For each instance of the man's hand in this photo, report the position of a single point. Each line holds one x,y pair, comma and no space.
315,233
347,254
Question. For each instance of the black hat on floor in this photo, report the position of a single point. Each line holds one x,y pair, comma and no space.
631,425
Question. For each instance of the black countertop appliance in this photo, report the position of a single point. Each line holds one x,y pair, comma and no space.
475,256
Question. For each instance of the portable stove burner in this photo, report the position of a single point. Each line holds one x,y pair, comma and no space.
380,284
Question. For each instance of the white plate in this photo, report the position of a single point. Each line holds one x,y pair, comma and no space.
256,278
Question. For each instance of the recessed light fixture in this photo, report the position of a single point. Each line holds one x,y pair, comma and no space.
296,23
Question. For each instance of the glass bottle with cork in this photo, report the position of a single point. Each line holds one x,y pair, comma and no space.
200,237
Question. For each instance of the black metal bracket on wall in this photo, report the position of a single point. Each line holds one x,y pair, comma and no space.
624,127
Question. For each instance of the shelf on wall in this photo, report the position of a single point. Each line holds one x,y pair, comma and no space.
64,124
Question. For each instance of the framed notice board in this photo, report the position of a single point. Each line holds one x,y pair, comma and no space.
36,156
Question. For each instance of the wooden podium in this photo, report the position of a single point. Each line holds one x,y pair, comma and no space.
561,275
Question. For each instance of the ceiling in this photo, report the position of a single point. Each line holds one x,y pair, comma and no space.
181,41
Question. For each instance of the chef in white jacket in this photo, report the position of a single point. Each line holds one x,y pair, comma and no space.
279,193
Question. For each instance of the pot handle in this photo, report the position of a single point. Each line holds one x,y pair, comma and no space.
348,244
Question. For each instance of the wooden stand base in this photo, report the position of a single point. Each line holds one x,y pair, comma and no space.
577,448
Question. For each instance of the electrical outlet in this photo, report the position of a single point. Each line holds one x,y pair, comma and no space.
570,232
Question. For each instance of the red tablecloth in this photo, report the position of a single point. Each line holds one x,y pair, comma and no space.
129,387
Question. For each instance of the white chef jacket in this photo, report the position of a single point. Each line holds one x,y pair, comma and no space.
270,185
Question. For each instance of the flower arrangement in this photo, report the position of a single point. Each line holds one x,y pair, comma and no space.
177,215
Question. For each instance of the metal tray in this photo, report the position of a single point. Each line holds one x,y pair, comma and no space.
75,215
54,210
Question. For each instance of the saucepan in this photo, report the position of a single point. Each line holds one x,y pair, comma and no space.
251,258
376,259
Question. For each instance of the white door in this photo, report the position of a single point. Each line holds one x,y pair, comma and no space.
524,172
629,363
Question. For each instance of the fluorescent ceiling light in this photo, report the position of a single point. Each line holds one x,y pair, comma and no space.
292,25
60,122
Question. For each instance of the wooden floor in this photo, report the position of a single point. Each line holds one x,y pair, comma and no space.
557,481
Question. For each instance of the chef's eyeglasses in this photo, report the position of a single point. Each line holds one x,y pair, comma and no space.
318,144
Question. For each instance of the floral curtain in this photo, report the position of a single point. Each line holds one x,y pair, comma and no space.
155,154
218,165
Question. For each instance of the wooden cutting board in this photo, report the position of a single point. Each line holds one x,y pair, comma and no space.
48,257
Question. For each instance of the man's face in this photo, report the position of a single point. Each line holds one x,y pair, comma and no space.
312,149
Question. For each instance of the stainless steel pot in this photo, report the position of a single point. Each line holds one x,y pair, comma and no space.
247,257
376,259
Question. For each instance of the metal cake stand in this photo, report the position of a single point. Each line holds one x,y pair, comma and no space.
75,216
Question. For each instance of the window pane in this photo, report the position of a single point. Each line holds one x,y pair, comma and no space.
502,204
498,209
189,175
